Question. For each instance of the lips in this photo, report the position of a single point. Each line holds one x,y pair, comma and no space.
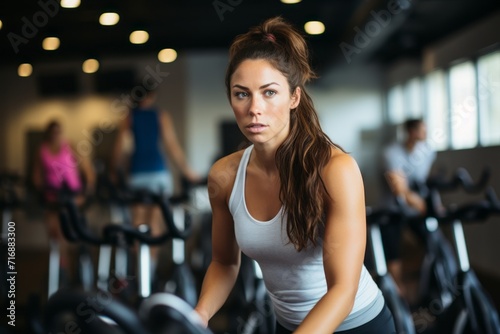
256,127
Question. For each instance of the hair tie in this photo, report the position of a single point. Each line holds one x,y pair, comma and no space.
270,37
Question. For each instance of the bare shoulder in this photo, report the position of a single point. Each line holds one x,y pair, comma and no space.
342,169
223,173
164,115
341,162
344,182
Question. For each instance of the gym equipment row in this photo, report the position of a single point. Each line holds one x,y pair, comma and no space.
448,287
447,279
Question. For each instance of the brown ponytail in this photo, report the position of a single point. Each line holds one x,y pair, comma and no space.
301,158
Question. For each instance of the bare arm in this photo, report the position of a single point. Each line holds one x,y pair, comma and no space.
343,247
398,184
87,170
116,154
224,267
174,148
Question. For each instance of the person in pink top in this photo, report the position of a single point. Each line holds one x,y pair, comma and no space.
57,167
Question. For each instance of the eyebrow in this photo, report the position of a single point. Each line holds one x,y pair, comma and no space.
261,87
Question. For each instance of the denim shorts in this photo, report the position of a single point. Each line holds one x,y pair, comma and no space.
158,182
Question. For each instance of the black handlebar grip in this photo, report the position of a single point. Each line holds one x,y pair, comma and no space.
168,217
465,180
470,212
112,231
78,223
461,178
492,198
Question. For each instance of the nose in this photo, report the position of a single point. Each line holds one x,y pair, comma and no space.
255,107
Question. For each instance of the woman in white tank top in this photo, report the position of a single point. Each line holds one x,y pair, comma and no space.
293,200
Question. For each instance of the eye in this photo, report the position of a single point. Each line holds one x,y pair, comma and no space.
270,92
240,95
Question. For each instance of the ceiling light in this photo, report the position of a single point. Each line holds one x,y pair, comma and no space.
51,43
90,65
290,2
139,37
70,3
167,55
25,70
314,27
109,19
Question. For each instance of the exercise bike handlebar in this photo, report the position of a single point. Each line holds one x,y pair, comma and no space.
476,211
468,212
165,204
394,214
492,198
74,224
460,179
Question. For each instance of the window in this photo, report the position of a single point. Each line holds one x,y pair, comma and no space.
489,98
460,105
413,98
436,110
396,105
463,108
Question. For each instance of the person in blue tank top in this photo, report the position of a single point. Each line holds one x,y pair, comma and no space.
293,200
155,146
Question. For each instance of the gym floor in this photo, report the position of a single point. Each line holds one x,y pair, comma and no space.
32,264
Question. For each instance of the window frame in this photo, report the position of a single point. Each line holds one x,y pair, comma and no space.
423,89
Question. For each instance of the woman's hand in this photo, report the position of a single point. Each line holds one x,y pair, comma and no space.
203,317
193,177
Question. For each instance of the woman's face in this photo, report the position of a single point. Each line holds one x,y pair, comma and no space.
261,101
55,134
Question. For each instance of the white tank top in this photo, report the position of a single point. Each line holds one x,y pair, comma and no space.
294,280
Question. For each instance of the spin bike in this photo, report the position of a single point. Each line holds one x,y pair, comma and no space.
85,267
471,310
467,307
440,266
112,235
99,311
376,217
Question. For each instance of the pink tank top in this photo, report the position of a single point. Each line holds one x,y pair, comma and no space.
60,168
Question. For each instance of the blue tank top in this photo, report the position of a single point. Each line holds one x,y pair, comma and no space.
147,155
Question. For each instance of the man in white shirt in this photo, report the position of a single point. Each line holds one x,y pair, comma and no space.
405,164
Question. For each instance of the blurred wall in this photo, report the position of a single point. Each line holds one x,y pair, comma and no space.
349,100
207,107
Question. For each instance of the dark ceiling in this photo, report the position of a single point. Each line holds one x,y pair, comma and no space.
198,25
